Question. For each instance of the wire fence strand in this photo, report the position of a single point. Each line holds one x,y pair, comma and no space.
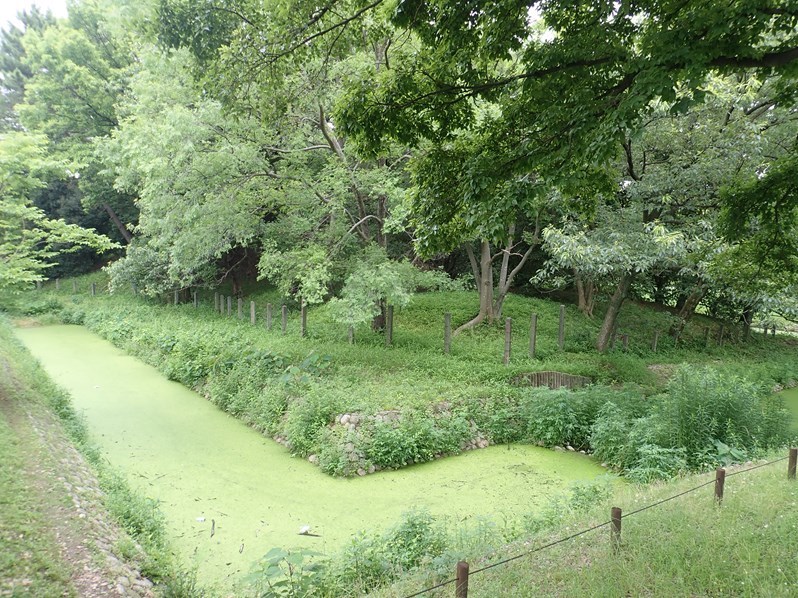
591,529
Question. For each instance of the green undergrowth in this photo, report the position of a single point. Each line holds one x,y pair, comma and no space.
364,406
688,546
138,515
420,545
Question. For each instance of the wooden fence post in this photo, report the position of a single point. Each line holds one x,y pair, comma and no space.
303,320
533,335
93,289
221,304
177,297
57,284
447,333
268,316
229,305
706,336
252,312
655,341
389,326
774,330
561,336
240,308
196,299
461,583
625,339
615,528
721,330
720,480
74,286
216,301
285,317
791,463
508,339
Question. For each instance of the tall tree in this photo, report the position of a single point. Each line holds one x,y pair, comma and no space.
29,240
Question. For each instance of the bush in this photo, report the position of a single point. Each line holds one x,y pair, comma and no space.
704,406
417,437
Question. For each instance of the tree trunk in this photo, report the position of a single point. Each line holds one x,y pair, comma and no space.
613,309
115,219
747,317
687,310
586,292
483,275
378,321
507,276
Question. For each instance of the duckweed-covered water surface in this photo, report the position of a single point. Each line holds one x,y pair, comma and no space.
229,494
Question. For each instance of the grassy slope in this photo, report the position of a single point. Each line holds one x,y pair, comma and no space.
685,547
416,359
29,556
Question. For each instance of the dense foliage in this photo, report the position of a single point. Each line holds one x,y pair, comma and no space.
621,151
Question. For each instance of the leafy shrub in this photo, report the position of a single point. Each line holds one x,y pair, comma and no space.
370,561
308,418
704,406
417,437
657,463
290,573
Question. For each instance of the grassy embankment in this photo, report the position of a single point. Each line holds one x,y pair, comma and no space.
29,554
412,403
686,547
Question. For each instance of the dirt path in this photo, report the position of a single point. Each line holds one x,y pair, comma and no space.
69,497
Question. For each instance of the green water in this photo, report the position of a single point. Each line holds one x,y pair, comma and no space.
205,466
790,397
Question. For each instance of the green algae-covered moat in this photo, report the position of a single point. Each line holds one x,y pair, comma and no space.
229,494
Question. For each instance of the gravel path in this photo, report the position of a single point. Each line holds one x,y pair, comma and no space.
87,536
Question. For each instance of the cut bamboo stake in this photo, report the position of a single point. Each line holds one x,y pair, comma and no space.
508,339
447,333
389,326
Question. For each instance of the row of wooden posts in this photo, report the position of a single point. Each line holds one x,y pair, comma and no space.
616,515
220,302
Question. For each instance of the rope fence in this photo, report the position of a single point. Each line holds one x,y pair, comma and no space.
463,574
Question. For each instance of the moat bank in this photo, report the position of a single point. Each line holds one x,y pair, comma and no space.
229,494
